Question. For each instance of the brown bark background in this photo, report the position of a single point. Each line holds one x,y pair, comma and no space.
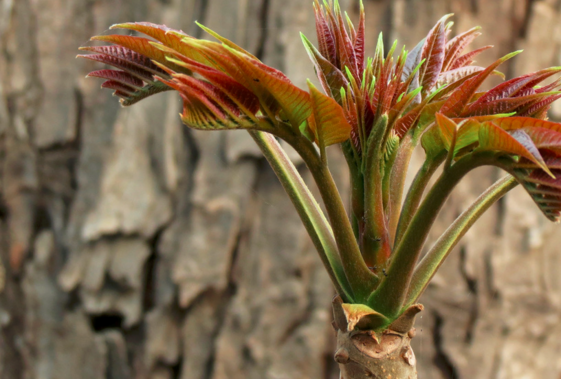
135,248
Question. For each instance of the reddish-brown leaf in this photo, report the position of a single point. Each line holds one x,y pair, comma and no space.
449,77
330,77
514,123
467,58
360,40
492,137
456,45
124,54
458,100
539,109
119,77
140,45
326,39
544,138
433,53
119,87
244,98
507,105
345,48
132,69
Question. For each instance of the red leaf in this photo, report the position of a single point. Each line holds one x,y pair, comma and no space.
457,44
551,160
244,98
407,121
119,77
544,138
124,54
211,92
199,111
538,77
448,77
359,41
514,123
326,39
539,109
433,53
458,100
121,64
492,137
467,58
345,48
540,177
507,105
120,87
330,77
140,45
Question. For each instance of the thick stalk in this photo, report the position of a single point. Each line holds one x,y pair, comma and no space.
360,278
376,238
357,192
437,254
415,193
309,211
390,295
397,181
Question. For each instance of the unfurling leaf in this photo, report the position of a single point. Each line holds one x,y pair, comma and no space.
433,52
328,121
492,137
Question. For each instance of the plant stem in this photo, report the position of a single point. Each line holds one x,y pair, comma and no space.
357,192
415,194
362,281
376,249
390,295
309,211
397,182
437,254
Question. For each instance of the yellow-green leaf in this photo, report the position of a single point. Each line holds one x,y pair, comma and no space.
329,125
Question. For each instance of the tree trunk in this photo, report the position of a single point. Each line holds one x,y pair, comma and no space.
135,248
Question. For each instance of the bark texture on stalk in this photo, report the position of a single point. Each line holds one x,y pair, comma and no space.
366,353
134,248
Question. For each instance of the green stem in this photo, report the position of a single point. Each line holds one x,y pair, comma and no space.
397,181
362,281
357,191
309,211
437,254
390,295
376,238
415,194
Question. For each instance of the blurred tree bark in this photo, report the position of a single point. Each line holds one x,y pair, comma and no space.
135,248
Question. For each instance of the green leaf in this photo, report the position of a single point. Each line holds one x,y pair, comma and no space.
362,317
